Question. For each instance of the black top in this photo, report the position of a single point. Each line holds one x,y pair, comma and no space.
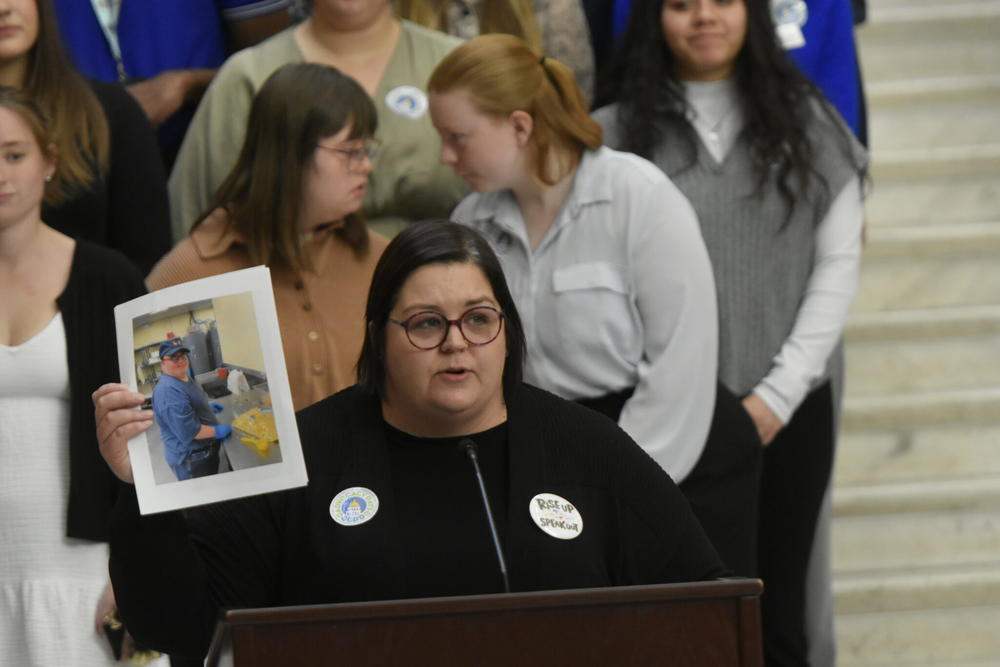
171,575
439,502
99,279
127,209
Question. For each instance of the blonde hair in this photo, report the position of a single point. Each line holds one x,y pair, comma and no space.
510,17
501,74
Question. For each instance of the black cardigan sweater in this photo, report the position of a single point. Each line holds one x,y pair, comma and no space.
99,279
127,208
284,548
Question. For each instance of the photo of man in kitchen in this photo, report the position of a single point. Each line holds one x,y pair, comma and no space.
201,365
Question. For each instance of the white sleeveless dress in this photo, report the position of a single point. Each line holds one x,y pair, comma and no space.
49,584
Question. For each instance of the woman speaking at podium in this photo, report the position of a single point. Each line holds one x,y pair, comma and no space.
401,467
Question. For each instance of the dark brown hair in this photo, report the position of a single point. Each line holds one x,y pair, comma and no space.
298,105
420,244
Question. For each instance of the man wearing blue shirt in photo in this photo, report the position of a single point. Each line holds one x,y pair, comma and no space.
191,433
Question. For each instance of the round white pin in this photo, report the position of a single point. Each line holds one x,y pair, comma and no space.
354,506
556,516
407,101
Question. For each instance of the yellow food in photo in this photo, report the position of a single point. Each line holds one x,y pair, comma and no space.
258,424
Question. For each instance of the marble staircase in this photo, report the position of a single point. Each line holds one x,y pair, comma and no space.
916,532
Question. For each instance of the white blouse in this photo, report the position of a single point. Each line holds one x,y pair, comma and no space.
618,294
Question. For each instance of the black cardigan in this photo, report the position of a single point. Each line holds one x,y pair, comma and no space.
127,209
99,279
284,548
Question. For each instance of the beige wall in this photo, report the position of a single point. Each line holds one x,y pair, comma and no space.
178,325
234,317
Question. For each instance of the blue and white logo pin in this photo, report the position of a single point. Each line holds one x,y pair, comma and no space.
354,506
407,101
789,17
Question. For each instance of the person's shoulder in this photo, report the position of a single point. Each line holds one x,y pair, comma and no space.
210,249
95,264
477,207
119,106
327,410
440,43
252,65
376,246
585,442
326,420
606,116
615,164
573,420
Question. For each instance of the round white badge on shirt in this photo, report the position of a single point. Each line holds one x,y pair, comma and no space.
556,516
407,101
354,506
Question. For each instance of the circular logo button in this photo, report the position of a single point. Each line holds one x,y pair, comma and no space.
354,506
407,101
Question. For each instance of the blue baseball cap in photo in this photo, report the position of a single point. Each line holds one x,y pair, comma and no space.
169,347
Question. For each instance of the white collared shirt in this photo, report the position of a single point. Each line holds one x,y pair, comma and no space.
618,294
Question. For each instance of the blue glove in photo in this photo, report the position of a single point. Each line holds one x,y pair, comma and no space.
222,431
216,407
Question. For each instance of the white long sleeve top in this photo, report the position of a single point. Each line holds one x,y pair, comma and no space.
619,293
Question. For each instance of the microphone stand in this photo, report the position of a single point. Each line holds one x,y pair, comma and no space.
471,452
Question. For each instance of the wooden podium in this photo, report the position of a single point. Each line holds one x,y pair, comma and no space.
705,624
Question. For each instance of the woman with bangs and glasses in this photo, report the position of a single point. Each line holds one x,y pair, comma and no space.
607,266
292,202
393,502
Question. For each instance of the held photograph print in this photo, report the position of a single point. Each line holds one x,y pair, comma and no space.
207,355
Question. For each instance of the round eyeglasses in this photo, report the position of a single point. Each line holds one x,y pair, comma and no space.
427,329
355,156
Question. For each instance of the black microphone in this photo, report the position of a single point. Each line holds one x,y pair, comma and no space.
471,452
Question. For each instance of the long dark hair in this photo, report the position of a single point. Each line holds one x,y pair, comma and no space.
779,102
420,244
298,105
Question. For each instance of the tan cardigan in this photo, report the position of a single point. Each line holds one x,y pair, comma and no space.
320,314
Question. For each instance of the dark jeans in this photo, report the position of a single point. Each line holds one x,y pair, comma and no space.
199,462
794,477
722,486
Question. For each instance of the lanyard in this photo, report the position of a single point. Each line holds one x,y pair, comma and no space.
107,12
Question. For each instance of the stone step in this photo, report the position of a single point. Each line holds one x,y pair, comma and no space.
934,186
924,588
916,539
898,95
962,362
931,121
921,323
940,495
934,40
922,350
933,240
962,637
930,282
972,407
914,453
930,266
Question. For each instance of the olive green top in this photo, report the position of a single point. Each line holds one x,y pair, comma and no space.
408,182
